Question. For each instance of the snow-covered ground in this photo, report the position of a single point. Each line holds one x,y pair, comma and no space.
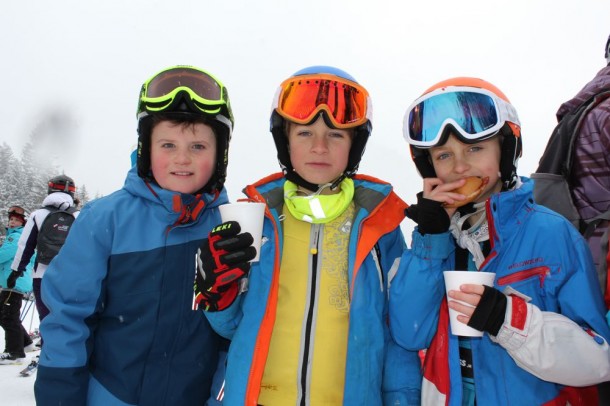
16,390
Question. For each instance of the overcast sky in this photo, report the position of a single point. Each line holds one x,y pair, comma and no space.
88,59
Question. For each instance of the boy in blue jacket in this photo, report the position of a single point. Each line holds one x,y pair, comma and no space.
543,320
312,327
122,329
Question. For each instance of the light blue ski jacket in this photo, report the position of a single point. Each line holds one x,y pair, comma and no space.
8,249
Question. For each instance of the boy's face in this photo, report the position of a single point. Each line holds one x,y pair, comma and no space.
318,153
455,160
182,157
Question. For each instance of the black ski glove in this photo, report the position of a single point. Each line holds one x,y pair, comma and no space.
11,281
429,215
221,261
490,313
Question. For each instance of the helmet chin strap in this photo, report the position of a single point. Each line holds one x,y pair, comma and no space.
294,177
338,181
316,189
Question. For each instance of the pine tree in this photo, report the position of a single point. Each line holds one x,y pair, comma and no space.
82,195
24,181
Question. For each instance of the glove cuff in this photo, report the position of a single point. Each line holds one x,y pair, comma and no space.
431,216
490,313
215,301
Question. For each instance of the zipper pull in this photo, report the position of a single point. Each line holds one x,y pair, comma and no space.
314,249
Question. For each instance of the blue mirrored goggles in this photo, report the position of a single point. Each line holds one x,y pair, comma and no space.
475,114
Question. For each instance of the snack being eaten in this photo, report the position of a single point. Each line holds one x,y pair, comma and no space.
472,189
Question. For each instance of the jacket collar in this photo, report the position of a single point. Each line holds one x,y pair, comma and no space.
509,208
182,207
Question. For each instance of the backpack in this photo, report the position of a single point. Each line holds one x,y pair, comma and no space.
552,180
53,233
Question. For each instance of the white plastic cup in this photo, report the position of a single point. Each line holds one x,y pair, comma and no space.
453,281
250,216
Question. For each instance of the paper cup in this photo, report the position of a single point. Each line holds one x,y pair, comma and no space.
250,217
453,280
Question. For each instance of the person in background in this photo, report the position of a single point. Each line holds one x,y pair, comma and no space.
590,181
543,319
60,196
16,338
312,327
122,329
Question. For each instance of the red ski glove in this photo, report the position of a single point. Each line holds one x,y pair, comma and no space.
222,259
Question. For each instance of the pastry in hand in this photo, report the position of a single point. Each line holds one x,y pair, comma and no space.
472,189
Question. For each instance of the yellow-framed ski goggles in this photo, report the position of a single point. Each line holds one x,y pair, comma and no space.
202,90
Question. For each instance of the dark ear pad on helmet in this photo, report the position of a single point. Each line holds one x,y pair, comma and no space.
421,158
510,152
219,176
361,136
143,162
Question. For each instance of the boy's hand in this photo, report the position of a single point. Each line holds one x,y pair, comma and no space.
429,215
489,308
221,261
435,189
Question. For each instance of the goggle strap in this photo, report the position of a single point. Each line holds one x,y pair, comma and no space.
224,120
66,187
507,111
369,109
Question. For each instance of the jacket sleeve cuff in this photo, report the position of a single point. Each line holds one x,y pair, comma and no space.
514,330
432,246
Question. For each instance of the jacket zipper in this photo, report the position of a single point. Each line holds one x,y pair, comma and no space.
540,271
309,323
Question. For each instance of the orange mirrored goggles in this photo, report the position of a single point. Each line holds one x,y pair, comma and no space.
301,98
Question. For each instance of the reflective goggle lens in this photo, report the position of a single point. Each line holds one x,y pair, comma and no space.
16,211
204,91
475,116
302,97
66,187
199,82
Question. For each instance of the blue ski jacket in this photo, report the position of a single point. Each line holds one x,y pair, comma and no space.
377,370
554,334
8,249
121,329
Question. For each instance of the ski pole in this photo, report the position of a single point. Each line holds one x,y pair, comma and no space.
31,315
25,310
